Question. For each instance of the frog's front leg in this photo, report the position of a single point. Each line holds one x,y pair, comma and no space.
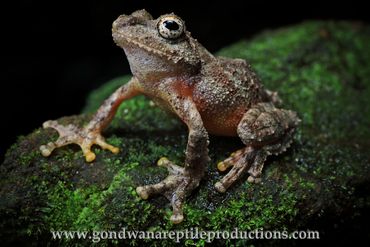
182,180
89,135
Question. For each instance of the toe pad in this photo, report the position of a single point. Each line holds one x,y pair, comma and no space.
220,187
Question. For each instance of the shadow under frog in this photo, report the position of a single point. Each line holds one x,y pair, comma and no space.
211,95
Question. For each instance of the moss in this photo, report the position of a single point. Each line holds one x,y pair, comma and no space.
320,69
81,208
65,205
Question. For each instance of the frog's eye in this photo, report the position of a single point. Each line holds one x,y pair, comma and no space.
171,27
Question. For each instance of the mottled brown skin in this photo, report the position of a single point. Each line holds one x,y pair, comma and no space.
215,95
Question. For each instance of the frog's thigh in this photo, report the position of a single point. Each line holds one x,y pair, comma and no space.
266,126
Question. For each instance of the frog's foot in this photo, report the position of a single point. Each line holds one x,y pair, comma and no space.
72,134
240,161
174,187
229,162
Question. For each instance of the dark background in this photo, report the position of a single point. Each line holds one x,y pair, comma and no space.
54,53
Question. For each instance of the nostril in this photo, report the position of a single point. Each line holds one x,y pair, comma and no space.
126,20
122,20
115,25
142,15
137,17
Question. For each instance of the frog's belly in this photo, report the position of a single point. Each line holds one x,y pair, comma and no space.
222,123
218,120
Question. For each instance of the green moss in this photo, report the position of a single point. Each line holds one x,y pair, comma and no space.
65,205
82,208
320,69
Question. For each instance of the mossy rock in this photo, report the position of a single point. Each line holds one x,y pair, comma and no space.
320,69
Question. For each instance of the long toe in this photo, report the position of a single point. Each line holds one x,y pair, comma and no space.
174,187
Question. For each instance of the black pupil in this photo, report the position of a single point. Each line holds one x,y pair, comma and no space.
171,25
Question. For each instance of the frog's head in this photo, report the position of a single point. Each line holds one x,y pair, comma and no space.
156,47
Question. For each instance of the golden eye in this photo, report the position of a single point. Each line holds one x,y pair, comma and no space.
171,27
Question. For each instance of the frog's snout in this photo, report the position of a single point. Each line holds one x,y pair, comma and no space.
137,17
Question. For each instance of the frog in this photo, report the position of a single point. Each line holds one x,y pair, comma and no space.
211,95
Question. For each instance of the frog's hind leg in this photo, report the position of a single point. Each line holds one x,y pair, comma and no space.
240,161
229,162
265,130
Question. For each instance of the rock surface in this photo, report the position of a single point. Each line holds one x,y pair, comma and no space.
320,69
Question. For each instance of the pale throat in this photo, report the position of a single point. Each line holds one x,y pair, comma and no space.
144,64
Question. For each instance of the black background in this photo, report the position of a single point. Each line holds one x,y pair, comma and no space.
54,52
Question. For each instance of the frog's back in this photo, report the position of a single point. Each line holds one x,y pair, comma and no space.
225,91
231,81
243,79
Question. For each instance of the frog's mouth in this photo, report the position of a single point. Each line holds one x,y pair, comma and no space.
123,40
